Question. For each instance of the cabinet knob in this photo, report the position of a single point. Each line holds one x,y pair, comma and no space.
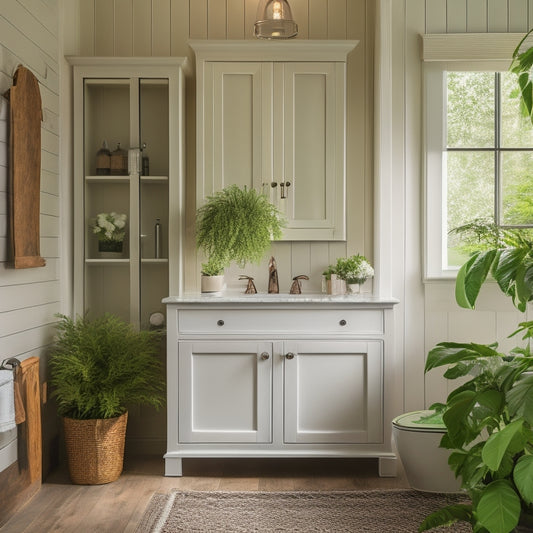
289,355
220,322
265,356
342,322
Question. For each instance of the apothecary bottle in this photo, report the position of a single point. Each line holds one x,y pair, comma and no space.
103,160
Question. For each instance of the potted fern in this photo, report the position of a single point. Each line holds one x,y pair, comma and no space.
235,225
97,369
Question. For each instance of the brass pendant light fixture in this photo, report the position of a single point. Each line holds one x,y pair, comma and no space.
274,20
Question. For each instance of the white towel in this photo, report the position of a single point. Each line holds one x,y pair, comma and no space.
7,401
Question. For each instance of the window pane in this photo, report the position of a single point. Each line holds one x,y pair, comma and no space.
517,188
470,195
516,129
470,101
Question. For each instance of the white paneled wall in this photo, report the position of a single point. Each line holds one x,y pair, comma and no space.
163,27
428,313
29,298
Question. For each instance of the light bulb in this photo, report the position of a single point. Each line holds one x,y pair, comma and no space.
276,10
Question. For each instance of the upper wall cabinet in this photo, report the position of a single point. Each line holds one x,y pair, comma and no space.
271,116
136,105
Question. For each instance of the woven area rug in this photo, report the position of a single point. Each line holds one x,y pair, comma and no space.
390,511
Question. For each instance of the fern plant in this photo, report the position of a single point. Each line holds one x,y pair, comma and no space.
99,367
236,225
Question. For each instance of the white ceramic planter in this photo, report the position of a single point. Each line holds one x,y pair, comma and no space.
212,283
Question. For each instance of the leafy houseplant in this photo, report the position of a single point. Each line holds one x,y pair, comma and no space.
98,368
236,225
111,230
355,270
507,254
522,65
489,421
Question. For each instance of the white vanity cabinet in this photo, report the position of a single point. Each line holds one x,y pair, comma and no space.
272,116
289,376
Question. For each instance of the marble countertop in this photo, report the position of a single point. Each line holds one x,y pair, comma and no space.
264,298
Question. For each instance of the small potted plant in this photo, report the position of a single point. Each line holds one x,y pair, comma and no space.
110,229
235,225
354,270
98,368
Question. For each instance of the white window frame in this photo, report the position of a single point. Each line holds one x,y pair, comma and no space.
435,136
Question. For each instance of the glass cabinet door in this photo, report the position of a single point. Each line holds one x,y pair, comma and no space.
154,196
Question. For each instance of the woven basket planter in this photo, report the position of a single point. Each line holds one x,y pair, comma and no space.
95,449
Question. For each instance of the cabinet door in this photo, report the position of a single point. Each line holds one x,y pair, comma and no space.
309,147
333,392
225,391
234,142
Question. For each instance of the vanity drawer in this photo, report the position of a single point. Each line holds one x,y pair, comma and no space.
276,321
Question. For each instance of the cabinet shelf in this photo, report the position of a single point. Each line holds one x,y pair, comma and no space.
154,179
107,261
152,260
107,179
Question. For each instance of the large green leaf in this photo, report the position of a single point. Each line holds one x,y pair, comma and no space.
523,477
498,443
471,277
498,509
456,417
447,353
446,516
505,271
520,399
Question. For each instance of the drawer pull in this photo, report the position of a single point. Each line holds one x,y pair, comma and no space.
289,355
220,322
342,322
265,356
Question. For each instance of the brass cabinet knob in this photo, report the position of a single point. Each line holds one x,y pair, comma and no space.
265,356
289,355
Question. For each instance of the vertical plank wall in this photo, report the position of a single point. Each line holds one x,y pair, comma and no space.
29,298
428,312
163,27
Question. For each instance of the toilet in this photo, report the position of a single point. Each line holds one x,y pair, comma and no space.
425,464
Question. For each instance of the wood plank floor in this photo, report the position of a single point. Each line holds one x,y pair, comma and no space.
61,507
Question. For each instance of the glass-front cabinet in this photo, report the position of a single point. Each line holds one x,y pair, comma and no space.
128,171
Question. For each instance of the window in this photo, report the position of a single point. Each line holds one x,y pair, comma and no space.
479,157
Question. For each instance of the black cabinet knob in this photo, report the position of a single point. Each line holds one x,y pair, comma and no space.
342,322
220,322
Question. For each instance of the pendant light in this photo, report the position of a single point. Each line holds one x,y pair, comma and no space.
274,20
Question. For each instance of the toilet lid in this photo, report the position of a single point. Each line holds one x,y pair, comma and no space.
410,421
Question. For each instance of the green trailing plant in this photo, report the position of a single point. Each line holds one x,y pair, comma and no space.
236,224
99,367
489,421
505,254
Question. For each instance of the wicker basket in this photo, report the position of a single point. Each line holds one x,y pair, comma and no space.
95,449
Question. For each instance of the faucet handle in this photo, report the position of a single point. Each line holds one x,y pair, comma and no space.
250,288
296,287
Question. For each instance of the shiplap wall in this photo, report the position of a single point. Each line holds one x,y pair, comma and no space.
163,27
29,298
428,312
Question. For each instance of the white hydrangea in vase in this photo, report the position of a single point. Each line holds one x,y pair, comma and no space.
355,270
111,230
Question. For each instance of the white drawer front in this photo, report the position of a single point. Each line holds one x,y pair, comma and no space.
276,321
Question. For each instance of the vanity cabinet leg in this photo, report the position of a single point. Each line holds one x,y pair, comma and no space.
173,466
388,466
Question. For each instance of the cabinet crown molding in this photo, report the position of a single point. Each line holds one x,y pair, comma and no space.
296,50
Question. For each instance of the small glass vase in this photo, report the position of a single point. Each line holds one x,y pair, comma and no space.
110,249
